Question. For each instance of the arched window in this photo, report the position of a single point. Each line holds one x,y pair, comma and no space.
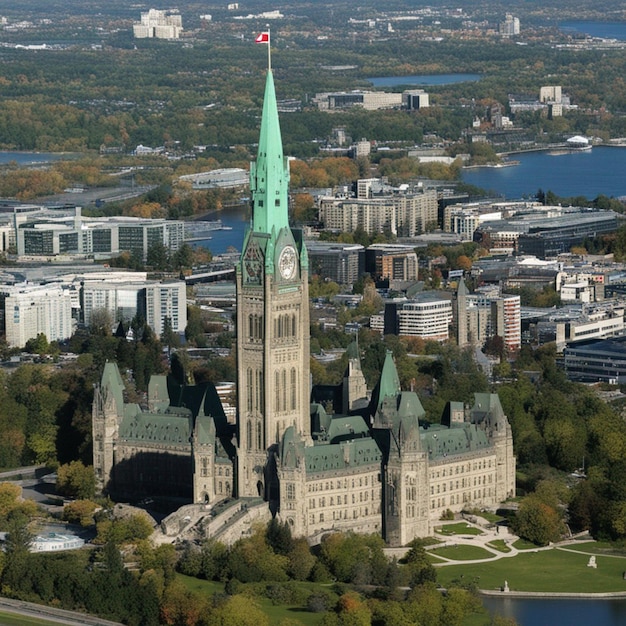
259,440
249,389
293,325
259,391
284,389
277,391
249,435
293,388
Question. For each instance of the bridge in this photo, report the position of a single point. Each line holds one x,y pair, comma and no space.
211,277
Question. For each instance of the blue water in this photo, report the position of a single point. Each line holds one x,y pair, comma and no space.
559,611
604,30
598,171
25,158
423,79
237,220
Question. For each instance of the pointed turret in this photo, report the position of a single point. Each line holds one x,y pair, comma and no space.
269,176
388,385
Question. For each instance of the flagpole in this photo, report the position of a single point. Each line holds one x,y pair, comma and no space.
269,49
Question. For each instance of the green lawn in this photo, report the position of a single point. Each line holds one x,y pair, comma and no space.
462,552
490,517
597,547
500,545
549,570
460,528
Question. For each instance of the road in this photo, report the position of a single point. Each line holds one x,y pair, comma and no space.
52,615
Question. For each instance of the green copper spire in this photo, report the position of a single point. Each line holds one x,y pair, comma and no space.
389,384
269,176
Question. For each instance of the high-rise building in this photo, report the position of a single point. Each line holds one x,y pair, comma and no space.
33,309
158,24
506,321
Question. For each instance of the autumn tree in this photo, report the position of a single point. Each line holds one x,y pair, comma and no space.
76,480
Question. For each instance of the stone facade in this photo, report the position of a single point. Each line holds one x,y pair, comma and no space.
373,466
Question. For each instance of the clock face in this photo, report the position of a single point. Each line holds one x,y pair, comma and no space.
287,262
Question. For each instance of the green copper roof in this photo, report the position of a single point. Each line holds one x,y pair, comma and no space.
442,442
269,176
151,428
389,384
112,384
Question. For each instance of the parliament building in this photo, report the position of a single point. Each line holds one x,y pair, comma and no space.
374,466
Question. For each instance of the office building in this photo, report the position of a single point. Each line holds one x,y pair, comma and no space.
340,262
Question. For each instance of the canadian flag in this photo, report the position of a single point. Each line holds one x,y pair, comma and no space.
262,38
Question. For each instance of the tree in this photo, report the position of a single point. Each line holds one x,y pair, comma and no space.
38,345
80,512
158,257
76,480
420,568
101,322
183,257
239,610
538,522
17,557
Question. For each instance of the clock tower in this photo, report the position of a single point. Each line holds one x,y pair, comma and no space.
272,318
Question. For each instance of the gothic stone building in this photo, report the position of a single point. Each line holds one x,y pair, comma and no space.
377,467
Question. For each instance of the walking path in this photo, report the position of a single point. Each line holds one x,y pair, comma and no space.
489,533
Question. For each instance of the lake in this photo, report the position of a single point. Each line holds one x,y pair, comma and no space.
589,173
603,30
559,611
423,79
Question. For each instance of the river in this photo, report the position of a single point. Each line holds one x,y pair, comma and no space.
34,158
559,611
423,79
587,173
603,30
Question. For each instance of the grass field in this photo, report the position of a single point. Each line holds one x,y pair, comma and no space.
553,571
462,552
460,528
10,619
500,545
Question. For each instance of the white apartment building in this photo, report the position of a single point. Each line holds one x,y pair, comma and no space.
158,24
33,309
405,215
428,316
124,300
464,220
374,215
166,300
